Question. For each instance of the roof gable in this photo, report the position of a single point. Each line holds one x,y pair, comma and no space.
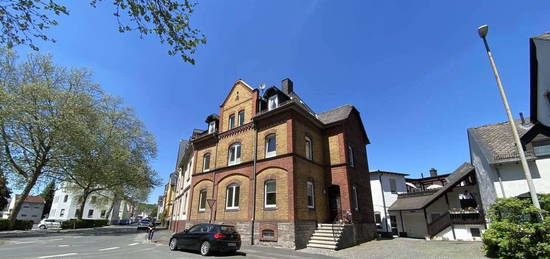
239,90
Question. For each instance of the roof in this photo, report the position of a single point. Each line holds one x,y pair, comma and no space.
334,115
497,142
545,36
427,178
181,151
32,199
420,202
386,172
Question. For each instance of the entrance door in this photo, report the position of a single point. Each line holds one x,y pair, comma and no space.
393,222
334,202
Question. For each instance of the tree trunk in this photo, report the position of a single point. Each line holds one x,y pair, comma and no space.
82,204
22,197
110,208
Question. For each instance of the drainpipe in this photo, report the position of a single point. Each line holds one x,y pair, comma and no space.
254,186
500,182
383,201
214,187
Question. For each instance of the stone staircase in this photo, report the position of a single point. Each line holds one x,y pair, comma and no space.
327,236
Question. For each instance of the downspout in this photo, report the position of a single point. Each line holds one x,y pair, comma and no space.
254,186
214,186
383,202
500,182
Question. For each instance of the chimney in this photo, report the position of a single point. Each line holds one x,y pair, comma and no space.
287,85
433,172
522,118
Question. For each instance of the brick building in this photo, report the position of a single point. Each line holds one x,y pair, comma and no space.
276,170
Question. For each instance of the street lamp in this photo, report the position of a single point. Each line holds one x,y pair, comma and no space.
482,30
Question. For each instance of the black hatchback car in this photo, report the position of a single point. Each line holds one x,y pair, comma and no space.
207,238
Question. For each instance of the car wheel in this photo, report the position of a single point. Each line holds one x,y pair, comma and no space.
205,248
173,244
42,227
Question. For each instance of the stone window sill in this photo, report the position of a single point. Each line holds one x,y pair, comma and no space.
270,208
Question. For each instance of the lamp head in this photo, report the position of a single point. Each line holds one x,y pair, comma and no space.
482,30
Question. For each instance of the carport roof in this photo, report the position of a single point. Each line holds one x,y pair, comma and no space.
420,202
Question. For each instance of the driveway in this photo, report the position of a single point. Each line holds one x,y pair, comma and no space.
408,248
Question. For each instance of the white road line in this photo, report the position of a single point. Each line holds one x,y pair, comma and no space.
61,255
63,245
110,248
57,239
133,244
24,242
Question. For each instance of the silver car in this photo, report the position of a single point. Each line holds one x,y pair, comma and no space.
49,223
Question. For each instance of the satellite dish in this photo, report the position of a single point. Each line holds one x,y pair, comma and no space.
262,86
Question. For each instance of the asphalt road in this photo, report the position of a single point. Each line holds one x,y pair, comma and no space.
118,245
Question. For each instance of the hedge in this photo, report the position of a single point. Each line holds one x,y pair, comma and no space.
19,225
83,223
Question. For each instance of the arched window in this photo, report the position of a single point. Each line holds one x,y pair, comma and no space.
206,162
270,194
309,149
232,196
234,156
310,195
270,145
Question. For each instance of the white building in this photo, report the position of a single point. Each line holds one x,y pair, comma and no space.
385,187
184,167
66,203
32,208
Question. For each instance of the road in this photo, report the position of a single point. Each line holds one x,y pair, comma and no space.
118,245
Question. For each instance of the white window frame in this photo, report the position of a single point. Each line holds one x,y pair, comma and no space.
272,99
202,205
241,117
237,151
309,148
265,194
234,188
211,127
351,157
356,198
204,169
310,193
270,153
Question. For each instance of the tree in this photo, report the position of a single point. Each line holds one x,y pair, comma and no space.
4,190
47,194
21,22
41,106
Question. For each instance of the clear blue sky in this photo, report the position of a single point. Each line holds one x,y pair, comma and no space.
416,70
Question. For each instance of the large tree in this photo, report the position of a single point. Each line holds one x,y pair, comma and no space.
41,106
22,21
47,194
4,190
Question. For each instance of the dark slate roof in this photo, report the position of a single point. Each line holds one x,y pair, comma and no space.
387,172
545,36
419,202
334,115
497,141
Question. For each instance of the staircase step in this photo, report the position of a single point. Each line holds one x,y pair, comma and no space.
327,238
332,247
323,242
328,231
320,234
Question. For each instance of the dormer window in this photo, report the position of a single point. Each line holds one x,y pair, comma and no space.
273,102
211,127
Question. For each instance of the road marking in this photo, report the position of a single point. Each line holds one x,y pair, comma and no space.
61,255
63,245
25,242
133,244
57,239
77,237
110,248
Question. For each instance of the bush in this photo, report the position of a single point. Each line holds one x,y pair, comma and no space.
83,223
19,225
516,230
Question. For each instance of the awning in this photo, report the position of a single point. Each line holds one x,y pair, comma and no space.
433,186
411,185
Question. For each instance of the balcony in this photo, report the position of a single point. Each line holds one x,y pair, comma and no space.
461,216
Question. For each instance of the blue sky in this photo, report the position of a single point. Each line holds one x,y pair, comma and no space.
416,70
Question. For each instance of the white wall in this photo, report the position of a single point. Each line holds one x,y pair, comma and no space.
28,211
181,202
462,233
388,197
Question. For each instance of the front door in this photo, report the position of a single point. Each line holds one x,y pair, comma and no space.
393,222
334,202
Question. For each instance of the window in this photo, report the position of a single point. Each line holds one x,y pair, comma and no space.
36,207
272,103
202,200
268,234
25,206
206,162
241,118
62,213
23,215
234,154
350,157
355,201
377,218
195,229
270,194
65,198
90,213
310,195
184,203
475,232
232,197
211,127
393,186
103,212
309,150
231,121
270,146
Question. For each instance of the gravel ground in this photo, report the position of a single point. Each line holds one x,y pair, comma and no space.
407,248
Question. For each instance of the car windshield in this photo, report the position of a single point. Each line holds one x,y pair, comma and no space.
227,229
145,221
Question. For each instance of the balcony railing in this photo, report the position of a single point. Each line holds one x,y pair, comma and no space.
467,217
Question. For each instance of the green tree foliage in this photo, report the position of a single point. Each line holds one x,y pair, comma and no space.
516,230
47,194
21,22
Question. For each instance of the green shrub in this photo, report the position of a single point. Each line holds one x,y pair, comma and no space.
19,225
516,230
83,223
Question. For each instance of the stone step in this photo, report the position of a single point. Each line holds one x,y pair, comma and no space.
329,225
323,242
335,231
332,247
331,228
328,238
323,234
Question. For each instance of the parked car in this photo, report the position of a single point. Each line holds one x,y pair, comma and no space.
143,224
207,238
49,223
